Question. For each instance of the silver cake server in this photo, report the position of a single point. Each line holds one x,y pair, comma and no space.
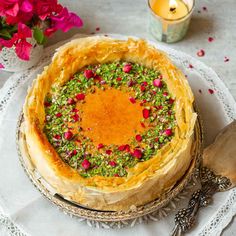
217,174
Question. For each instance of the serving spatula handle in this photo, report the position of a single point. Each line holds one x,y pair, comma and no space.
210,184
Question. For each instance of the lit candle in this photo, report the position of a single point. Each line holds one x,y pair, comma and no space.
169,9
169,19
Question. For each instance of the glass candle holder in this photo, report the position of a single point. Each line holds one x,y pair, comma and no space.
170,25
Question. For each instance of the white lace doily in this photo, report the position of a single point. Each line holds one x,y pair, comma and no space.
24,211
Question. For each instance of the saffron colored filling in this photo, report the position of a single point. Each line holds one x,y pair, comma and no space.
109,117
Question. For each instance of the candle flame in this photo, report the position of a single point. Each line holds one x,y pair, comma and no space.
173,4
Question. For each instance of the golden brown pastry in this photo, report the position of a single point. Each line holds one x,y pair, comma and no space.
145,178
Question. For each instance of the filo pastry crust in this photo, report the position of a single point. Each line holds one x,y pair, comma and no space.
145,181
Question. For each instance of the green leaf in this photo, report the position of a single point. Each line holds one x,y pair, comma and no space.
38,35
5,34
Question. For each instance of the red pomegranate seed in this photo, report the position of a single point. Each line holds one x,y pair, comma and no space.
57,136
157,83
200,91
75,117
100,145
142,124
132,100
80,96
98,28
210,39
201,53
211,91
58,115
138,137
118,79
142,88
74,152
168,132
144,83
146,113
98,78
70,101
108,152
47,104
127,68
190,66
171,101
127,148
226,59
204,8
137,153
88,74
86,164
122,147
165,94
74,110
156,139
112,163
116,175
68,135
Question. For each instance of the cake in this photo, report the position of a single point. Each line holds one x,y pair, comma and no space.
109,124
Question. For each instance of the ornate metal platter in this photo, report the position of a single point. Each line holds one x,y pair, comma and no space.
74,209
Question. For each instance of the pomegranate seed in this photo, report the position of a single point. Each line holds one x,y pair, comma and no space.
100,145
118,79
59,115
80,96
210,39
88,74
116,175
201,53
165,94
127,68
108,152
137,153
74,152
168,132
190,66
57,136
171,101
68,135
142,124
138,137
211,91
74,110
112,163
75,117
200,91
204,8
144,83
132,100
226,59
70,101
98,28
122,147
47,104
142,88
156,139
145,113
157,83
86,164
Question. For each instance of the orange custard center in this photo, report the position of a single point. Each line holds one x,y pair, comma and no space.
109,117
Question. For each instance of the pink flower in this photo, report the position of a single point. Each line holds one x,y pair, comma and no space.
26,6
9,7
45,8
65,20
23,48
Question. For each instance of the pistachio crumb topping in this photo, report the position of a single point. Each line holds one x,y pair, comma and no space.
64,115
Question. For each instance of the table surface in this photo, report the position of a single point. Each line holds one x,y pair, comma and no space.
125,17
